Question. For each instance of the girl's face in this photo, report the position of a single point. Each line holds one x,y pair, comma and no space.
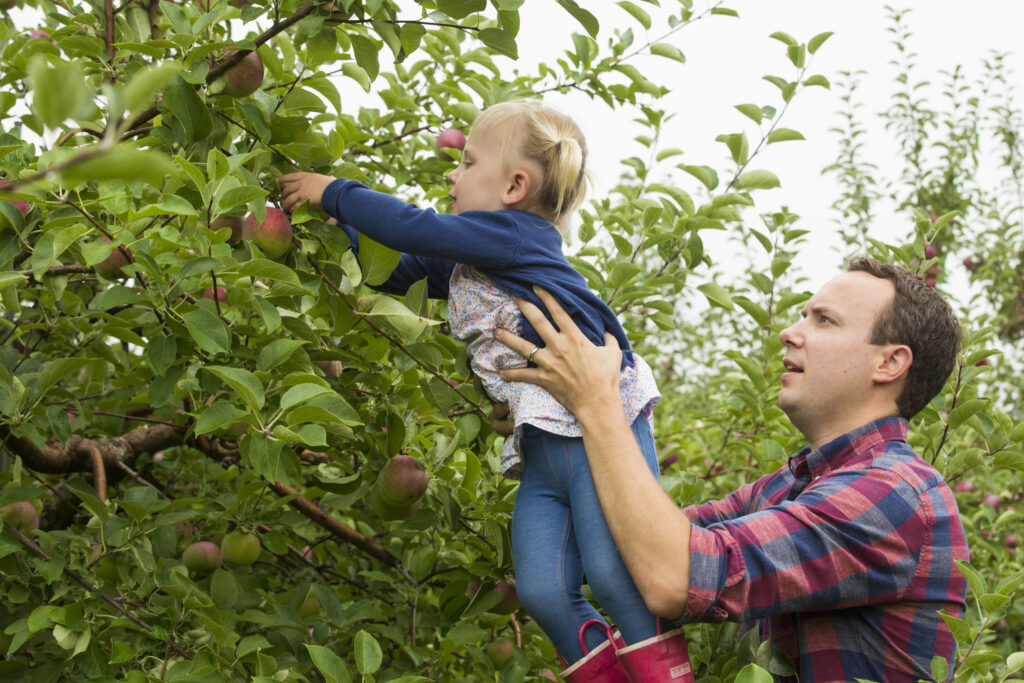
481,182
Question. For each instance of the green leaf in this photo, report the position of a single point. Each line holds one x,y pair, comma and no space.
223,589
58,91
329,664
817,41
141,89
266,269
189,110
11,279
716,295
757,180
705,174
460,9
121,163
300,393
277,352
208,331
784,135
218,415
500,41
239,196
819,80
367,651
269,458
637,13
752,673
785,38
409,324
668,51
751,111
963,411
587,20
161,351
243,382
56,370
365,51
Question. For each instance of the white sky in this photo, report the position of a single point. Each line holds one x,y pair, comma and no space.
726,58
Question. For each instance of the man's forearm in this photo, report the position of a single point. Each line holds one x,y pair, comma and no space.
650,530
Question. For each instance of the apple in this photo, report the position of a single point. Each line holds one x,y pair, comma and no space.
273,236
19,204
548,675
331,368
964,486
399,488
499,651
1011,541
240,548
930,250
993,501
309,606
668,461
972,265
202,557
509,602
222,293
451,138
21,516
244,78
933,270
110,267
930,281
233,222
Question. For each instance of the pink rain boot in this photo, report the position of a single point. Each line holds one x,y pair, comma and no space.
664,657
599,665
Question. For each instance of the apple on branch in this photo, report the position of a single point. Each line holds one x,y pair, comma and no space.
449,138
273,236
242,79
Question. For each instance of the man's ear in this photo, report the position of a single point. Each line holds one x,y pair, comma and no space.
894,363
518,188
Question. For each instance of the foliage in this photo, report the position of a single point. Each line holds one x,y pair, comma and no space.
142,416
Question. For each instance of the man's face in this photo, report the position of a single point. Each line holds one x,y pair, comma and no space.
479,181
830,362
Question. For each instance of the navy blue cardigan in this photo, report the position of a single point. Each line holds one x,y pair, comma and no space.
515,249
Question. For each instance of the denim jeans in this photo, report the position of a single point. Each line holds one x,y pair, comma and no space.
559,534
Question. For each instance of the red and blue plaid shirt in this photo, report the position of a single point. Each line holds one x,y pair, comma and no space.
843,559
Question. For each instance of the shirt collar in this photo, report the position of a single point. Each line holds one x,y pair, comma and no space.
807,463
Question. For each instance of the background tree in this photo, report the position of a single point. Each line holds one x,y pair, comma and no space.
246,463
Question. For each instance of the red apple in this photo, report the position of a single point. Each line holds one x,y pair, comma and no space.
451,138
993,501
930,250
244,78
222,293
509,602
19,204
240,548
399,488
930,281
964,486
21,515
233,222
1011,541
273,236
668,461
110,267
202,557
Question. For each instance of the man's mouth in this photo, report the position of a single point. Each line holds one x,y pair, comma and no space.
791,366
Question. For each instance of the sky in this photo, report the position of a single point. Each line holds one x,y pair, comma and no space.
726,58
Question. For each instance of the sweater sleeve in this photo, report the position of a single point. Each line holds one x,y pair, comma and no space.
483,239
410,269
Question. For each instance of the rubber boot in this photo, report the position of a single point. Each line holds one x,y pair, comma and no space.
664,657
600,665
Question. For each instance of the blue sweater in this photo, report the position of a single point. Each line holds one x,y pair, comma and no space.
515,249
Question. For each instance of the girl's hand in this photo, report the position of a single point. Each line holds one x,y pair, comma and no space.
297,188
579,374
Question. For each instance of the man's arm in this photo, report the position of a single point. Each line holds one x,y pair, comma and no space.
650,530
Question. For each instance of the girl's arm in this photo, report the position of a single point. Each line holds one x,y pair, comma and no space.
410,269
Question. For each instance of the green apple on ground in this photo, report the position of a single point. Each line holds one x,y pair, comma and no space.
240,548
273,236
202,557
21,516
399,488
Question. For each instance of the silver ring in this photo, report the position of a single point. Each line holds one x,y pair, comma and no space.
533,352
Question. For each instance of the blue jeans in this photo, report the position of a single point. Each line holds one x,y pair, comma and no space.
559,534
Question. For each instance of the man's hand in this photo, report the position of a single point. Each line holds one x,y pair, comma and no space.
297,188
578,373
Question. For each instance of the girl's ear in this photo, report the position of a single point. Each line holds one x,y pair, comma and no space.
518,188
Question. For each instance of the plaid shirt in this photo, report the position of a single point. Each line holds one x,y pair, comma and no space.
844,557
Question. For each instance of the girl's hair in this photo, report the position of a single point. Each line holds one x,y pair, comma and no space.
552,140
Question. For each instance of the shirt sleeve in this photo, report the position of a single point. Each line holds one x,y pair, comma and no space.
483,239
410,269
849,539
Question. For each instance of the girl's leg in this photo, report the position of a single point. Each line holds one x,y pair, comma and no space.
549,572
606,572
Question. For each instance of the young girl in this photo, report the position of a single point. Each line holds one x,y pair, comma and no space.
522,173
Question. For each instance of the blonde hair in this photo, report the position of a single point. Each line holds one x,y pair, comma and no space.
552,140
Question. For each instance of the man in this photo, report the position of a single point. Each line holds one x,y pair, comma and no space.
844,557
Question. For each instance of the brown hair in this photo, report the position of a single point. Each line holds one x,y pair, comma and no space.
923,320
553,141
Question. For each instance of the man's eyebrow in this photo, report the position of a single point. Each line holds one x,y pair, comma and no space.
819,309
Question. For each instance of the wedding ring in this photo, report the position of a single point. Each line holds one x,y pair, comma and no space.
533,352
